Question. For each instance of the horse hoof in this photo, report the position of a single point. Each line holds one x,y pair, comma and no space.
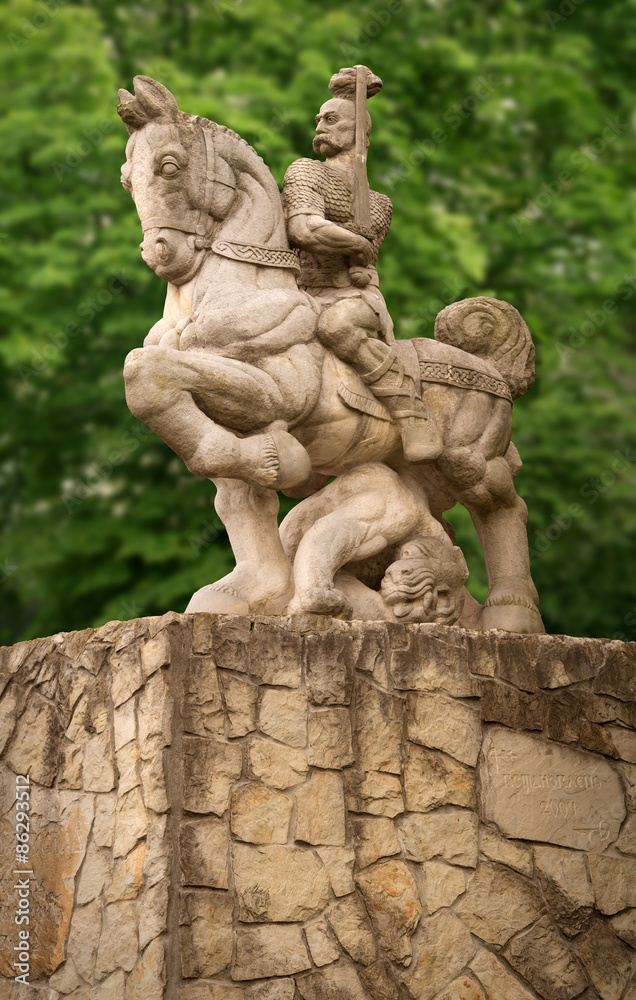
511,618
321,601
217,602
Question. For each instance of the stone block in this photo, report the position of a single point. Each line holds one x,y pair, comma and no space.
376,793
350,924
507,852
607,961
498,982
444,883
34,748
278,766
379,724
241,697
432,780
614,882
320,811
203,852
335,982
205,932
226,637
566,887
329,661
338,862
278,884
463,988
445,948
507,705
283,716
393,902
278,989
275,655
624,924
322,948
624,740
131,822
148,979
541,956
373,838
435,660
380,982
451,835
202,707
209,769
95,874
617,676
498,903
535,789
260,815
442,723
270,950
118,947
330,744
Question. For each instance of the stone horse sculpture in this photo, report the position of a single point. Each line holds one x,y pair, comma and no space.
235,381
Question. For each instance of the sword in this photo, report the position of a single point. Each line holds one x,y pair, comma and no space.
361,200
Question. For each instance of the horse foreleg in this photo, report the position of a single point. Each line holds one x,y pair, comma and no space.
500,518
261,581
169,391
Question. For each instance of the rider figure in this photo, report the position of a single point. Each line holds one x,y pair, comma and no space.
337,261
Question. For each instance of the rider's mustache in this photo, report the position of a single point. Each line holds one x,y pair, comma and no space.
322,142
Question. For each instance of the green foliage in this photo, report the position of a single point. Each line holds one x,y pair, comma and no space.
504,136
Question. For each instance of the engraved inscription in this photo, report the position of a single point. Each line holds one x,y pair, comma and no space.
536,789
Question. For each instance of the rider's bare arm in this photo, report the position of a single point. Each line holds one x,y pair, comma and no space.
312,232
157,331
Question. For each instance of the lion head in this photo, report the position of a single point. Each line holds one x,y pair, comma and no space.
426,582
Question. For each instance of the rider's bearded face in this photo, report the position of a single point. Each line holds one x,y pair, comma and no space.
335,127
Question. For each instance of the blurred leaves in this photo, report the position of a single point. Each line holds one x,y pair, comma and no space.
505,137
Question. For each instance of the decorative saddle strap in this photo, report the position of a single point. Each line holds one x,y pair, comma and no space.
463,378
252,253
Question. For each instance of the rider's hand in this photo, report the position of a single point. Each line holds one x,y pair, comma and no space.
363,255
360,277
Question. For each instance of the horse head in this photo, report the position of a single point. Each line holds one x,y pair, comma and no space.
193,182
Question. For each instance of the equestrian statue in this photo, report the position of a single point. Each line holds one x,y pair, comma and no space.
274,368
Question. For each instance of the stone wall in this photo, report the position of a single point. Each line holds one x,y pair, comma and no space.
225,808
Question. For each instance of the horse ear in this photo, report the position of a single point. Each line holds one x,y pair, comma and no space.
129,112
155,99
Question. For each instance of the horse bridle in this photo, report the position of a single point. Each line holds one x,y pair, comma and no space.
252,253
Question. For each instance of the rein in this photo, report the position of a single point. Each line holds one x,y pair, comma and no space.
252,253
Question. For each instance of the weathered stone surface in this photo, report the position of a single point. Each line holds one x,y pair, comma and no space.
66,979
463,988
535,789
506,852
373,838
617,676
444,883
627,840
84,938
34,748
91,712
373,652
153,781
148,978
607,960
499,983
278,883
104,824
379,724
322,948
393,902
202,707
498,903
277,989
157,856
625,742
259,815
330,743
275,655
339,864
445,948
379,981
433,663
131,822
227,637
209,769
98,772
431,780
203,847
155,653
154,716
442,723
351,926
329,659
205,932
624,924
566,887
540,955
271,950
511,707
126,759
71,757
451,835
375,792
335,982
118,946
126,673
95,874
283,715
614,882
211,991
278,766
241,697
320,810
152,913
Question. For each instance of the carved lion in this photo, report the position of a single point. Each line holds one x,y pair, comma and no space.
426,582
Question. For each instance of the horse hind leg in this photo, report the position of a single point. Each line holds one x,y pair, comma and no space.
160,389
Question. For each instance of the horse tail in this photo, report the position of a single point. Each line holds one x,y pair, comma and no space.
495,331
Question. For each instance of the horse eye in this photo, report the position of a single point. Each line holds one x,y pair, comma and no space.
169,168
